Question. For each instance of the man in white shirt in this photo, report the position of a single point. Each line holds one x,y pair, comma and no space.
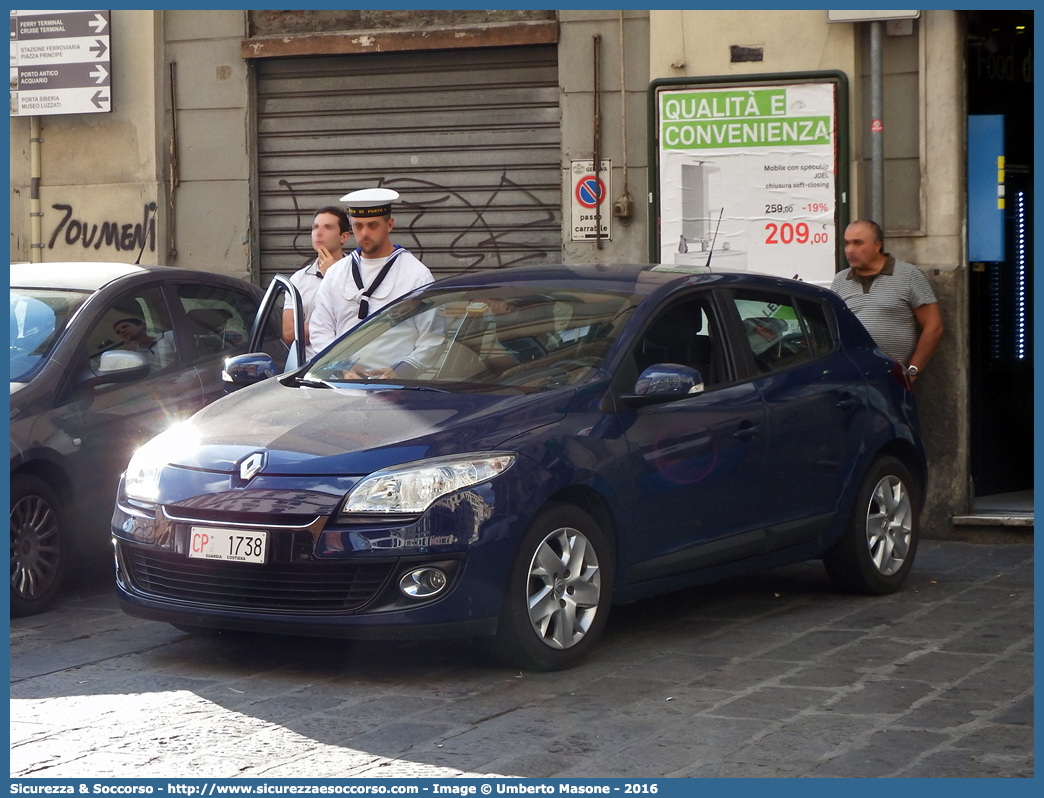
331,229
371,277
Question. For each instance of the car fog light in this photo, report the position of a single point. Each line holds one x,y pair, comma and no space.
423,582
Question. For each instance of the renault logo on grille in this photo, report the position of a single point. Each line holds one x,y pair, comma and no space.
249,466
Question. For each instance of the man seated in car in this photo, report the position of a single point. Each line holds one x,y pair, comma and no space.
158,351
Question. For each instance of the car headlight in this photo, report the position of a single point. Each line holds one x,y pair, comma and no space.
413,487
141,480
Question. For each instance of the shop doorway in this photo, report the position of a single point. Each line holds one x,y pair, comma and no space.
1000,82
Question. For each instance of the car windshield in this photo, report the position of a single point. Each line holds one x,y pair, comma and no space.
38,317
503,337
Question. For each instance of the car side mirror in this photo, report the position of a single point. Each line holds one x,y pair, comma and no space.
120,366
665,382
243,370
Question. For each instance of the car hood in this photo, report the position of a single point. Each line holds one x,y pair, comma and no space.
354,431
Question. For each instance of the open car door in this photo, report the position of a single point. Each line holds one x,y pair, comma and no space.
269,354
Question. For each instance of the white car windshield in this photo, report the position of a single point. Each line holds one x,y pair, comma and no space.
512,337
38,317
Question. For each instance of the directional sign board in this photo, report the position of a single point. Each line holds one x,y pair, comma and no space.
60,63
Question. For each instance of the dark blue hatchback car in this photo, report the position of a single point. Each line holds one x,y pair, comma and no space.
506,454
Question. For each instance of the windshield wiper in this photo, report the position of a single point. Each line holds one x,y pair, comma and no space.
420,388
308,383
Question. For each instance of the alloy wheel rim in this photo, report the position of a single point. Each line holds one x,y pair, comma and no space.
564,588
35,547
889,525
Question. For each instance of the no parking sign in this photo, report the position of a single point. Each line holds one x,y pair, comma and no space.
590,193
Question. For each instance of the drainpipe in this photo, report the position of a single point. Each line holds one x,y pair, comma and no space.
877,126
623,207
598,137
35,213
174,166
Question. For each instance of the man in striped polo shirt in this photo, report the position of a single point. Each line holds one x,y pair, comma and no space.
890,297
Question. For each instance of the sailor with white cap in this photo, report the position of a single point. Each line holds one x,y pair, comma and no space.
372,276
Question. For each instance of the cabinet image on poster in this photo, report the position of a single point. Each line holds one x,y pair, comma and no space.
748,179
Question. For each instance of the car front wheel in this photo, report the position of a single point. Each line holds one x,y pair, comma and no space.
877,549
37,559
557,598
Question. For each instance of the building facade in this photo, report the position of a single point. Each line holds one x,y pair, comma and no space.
228,128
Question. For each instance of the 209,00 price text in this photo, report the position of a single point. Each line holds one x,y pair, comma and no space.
788,233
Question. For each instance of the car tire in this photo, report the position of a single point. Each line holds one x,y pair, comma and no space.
877,549
37,545
558,592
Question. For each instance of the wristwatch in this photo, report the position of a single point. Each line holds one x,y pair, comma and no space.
913,371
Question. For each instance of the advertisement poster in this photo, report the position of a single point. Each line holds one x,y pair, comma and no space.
747,179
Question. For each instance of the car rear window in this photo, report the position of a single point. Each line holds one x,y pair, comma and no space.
782,331
817,316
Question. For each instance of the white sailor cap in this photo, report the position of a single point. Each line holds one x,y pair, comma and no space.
370,202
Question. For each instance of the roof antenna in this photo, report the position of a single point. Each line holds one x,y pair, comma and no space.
145,230
711,255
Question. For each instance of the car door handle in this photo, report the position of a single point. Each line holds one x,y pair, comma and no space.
746,433
849,402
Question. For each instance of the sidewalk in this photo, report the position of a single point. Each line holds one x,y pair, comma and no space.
774,675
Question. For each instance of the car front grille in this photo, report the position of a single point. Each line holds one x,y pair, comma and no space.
275,587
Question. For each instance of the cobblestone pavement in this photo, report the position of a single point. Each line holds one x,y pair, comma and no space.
774,675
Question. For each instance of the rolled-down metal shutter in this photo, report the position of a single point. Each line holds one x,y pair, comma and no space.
469,138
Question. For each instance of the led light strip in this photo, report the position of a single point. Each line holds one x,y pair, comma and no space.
995,337
1020,277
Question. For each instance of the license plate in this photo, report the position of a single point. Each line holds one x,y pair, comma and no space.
237,545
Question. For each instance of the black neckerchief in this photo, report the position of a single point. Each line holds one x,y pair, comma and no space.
364,305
